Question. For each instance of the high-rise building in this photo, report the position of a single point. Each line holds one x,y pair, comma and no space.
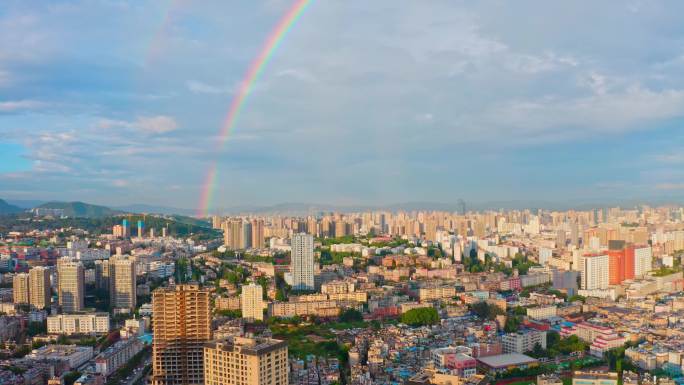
620,261
102,274
246,240
574,235
560,238
70,287
643,260
252,302
182,325
141,225
257,233
118,231
246,361
126,228
20,288
233,234
39,287
122,282
302,262
165,231
594,271
216,222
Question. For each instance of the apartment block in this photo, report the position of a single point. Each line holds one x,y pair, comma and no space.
246,361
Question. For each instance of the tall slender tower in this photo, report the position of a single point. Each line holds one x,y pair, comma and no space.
182,325
126,228
39,287
257,233
20,288
122,282
102,274
302,262
71,277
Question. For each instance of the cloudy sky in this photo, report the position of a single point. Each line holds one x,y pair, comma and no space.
382,101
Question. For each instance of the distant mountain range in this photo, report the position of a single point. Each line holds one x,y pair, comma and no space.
82,210
152,209
6,208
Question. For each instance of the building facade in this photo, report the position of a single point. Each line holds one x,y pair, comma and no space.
71,280
122,283
20,287
252,302
181,324
302,262
39,287
246,361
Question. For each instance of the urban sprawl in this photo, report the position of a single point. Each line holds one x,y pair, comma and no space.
593,297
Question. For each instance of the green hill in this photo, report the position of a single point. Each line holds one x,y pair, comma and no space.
81,210
6,208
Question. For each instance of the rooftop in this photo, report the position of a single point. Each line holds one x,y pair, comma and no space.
503,360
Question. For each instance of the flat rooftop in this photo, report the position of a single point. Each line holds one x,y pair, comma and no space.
504,360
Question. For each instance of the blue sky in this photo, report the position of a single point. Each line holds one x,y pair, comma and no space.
119,102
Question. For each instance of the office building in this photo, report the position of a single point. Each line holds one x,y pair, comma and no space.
246,361
252,302
181,324
594,271
102,274
70,287
302,262
122,282
91,323
72,356
39,287
20,286
140,229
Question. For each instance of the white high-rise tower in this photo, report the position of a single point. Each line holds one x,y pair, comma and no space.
302,262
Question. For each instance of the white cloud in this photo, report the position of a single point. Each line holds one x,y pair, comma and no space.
670,186
18,105
120,183
159,124
670,158
5,78
533,64
299,74
204,88
552,119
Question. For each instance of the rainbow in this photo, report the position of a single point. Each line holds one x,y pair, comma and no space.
246,85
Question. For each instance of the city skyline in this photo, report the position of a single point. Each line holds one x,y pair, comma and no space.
467,98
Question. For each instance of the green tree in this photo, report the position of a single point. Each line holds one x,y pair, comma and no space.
420,317
512,324
351,315
486,310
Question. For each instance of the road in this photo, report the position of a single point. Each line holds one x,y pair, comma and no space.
137,372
